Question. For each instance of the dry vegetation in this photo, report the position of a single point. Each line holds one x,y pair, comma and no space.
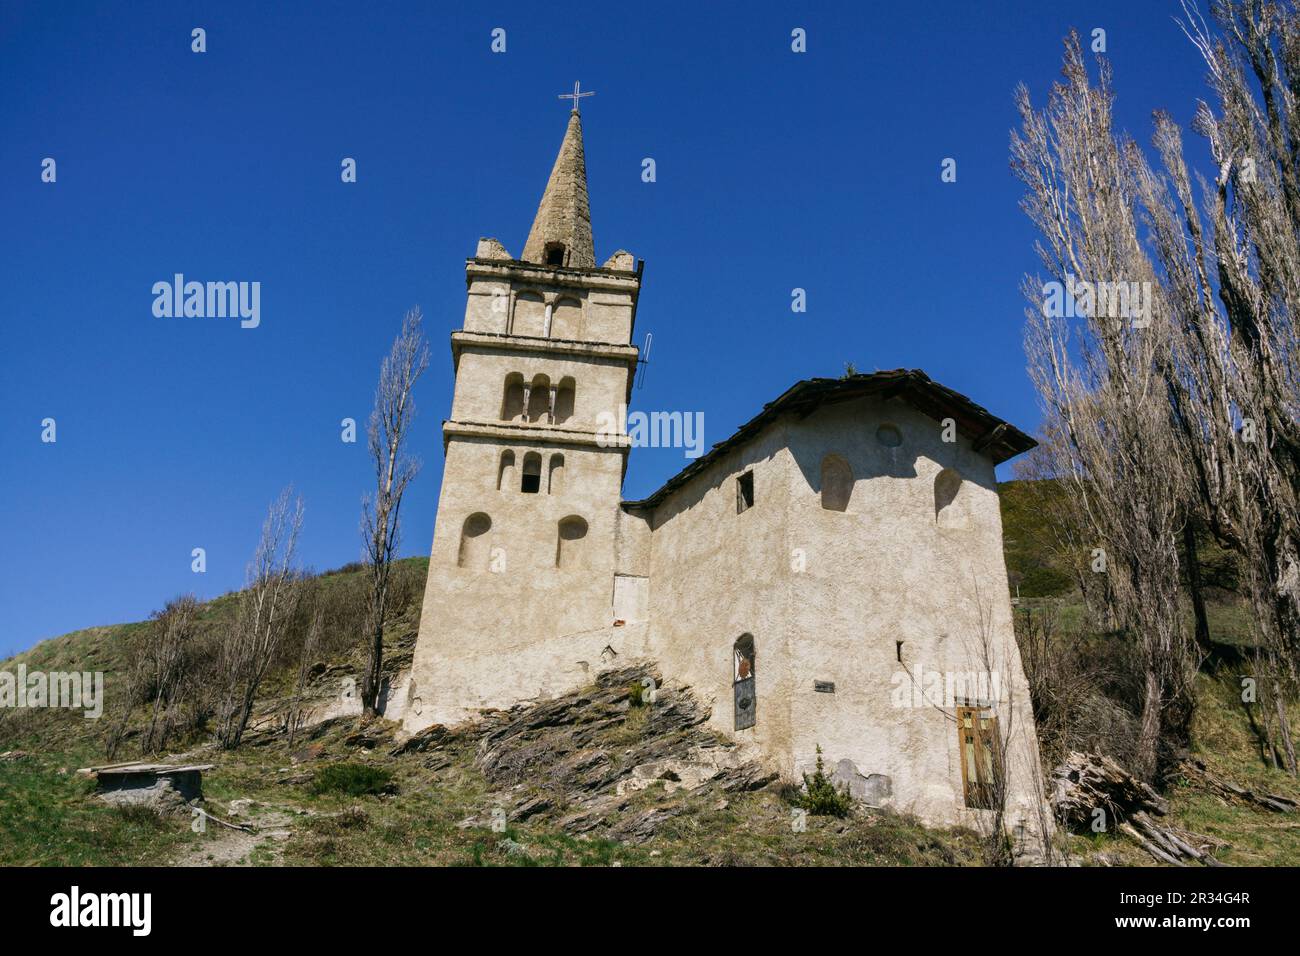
1169,413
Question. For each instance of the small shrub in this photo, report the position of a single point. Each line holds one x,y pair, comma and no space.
821,798
636,695
352,779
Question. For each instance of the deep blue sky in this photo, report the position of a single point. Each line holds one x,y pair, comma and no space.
775,170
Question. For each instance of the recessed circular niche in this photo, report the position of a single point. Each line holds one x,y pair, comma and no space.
889,436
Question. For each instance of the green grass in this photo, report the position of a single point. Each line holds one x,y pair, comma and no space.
48,818
351,779
1222,738
1027,542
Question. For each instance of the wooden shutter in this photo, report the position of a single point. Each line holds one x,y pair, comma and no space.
980,753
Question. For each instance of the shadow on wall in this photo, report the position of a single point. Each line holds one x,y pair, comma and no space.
831,466
716,475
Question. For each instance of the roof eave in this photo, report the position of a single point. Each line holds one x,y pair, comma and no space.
989,435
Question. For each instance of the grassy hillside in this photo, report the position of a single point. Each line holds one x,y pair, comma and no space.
338,795
1032,562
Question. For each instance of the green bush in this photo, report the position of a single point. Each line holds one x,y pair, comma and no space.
353,779
821,798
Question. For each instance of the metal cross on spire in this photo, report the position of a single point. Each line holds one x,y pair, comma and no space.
576,95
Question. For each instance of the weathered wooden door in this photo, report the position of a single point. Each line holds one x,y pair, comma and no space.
981,766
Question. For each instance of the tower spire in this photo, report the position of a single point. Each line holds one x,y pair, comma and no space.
561,232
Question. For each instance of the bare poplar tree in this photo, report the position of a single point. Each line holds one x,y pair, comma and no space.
390,425
1241,390
266,606
1226,278
1099,375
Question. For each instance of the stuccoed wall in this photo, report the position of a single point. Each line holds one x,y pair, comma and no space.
715,575
606,300
886,570
825,594
600,385
513,626
491,638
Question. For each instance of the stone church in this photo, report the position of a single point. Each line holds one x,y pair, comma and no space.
829,576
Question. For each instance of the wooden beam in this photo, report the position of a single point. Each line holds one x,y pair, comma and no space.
989,437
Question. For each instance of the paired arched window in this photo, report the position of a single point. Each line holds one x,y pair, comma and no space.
474,542
539,400
837,483
529,476
569,544
534,316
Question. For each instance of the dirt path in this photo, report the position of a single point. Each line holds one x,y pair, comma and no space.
222,846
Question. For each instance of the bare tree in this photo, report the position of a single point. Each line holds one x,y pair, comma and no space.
266,606
170,634
1100,375
390,425
1240,391
1226,278
160,674
296,714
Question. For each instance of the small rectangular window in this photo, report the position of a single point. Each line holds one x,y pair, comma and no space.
745,492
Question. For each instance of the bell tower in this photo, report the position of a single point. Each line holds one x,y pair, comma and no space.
524,546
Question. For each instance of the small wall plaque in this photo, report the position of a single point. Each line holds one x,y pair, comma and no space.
824,686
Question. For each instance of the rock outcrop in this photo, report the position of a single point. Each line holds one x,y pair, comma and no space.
597,761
